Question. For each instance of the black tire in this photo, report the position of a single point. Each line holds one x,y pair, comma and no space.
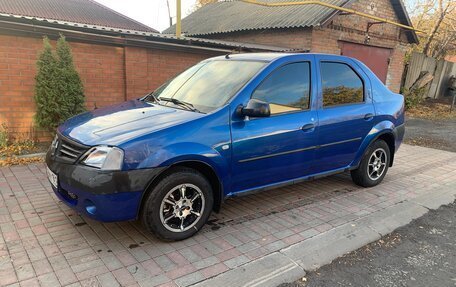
152,207
365,177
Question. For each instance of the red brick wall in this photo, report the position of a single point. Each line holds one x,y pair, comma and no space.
288,38
351,28
110,75
17,70
148,69
102,72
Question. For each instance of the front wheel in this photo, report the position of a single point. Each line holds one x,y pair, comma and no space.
179,205
373,166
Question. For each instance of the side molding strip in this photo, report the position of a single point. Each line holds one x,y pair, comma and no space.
340,142
277,154
298,150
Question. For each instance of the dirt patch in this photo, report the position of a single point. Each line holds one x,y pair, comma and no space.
432,110
22,153
20,161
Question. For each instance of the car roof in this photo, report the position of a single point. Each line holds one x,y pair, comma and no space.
266,57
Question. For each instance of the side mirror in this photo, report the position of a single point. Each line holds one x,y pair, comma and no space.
255,108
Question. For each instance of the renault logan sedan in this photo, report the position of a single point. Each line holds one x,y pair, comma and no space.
227,126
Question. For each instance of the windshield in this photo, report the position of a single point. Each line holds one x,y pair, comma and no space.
210,84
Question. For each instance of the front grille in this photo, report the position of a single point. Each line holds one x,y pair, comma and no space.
69,150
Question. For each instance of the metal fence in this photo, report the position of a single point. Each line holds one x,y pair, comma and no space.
440,69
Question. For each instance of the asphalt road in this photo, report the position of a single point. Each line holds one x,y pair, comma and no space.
421,253
434,134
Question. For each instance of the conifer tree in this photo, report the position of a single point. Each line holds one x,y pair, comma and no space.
71,89
59,92
46,93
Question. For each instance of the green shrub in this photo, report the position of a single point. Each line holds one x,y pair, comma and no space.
59,93
415,98
3,136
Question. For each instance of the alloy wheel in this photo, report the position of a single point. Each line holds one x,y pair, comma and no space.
182,207
377,164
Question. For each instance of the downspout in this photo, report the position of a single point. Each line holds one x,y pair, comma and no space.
125,72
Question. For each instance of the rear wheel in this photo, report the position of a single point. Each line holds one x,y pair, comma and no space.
179,205
373,166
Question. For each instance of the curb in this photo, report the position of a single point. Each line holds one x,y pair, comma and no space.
291,263
39,154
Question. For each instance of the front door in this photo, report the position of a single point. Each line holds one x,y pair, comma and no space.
281,147
346,113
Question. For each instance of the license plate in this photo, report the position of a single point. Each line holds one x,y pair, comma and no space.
52,177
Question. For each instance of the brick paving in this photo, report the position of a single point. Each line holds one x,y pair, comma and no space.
45,243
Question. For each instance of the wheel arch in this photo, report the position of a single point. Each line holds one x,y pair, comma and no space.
384,131
204,168
388,137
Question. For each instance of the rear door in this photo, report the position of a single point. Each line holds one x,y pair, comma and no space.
345,112
376,58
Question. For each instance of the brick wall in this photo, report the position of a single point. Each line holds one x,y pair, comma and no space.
293,38
327,40
110,75
351,28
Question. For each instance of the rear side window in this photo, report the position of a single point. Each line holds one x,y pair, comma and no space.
286,89
341,85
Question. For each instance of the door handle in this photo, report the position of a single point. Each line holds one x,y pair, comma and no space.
308,127
368,116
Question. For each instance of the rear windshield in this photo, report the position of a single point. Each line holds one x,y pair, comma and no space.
209,84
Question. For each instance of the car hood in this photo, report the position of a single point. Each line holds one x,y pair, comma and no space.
119,123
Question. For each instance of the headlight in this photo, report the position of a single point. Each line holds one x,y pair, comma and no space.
104,158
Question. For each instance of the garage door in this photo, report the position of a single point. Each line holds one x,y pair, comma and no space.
376,58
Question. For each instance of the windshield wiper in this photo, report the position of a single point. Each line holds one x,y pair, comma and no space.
151,95
187,105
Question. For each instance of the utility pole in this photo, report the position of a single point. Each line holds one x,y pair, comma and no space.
178,18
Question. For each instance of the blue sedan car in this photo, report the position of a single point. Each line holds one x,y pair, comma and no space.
227,126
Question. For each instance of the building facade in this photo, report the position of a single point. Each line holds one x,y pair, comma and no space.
117,58
314,28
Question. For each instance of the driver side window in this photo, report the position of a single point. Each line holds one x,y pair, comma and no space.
286,89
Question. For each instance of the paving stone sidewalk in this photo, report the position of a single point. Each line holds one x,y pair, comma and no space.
43,242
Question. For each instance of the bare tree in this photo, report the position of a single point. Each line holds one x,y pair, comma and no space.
442,13
438,19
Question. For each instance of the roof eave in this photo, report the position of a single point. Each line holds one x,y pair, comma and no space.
124,39
80,25
243,30
412,33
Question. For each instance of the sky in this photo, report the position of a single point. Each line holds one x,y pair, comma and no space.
153,13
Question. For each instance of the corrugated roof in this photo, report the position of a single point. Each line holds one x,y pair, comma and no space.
86,12
230,16
18,24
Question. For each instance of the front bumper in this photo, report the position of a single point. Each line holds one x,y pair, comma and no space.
102,195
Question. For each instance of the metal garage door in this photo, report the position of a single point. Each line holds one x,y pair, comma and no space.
376,58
